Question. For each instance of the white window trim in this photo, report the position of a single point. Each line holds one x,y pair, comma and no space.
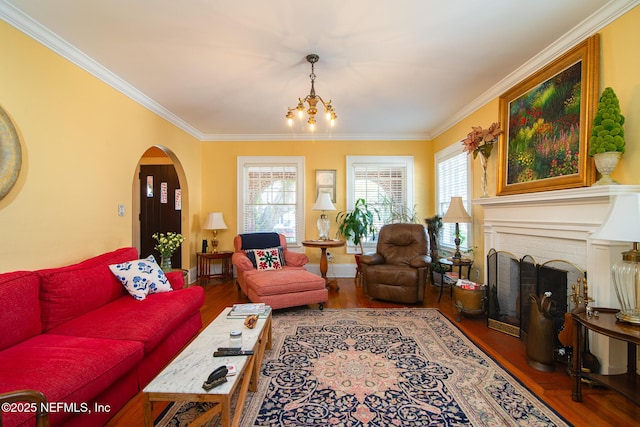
298,162
405,161
442,155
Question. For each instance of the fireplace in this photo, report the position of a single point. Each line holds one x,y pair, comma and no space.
511,281
556,225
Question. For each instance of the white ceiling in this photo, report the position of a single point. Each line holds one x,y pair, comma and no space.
228,70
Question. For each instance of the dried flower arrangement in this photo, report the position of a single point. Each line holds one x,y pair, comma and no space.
481,140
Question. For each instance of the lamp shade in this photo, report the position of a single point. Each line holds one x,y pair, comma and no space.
214,221
456,212
323,203
623,221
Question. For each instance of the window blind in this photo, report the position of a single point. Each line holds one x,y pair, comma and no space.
452,181
271,198
383,182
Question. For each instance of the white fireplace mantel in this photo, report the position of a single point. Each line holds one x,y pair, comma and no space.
557,225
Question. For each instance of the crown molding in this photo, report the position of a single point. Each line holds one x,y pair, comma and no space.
312,137
46,37
591,25
605,15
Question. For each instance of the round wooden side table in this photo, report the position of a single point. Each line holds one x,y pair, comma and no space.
323,245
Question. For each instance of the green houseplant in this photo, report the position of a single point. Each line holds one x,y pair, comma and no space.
358,223
434,225
606,143
398,212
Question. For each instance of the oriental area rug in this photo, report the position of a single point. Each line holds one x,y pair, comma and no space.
379,367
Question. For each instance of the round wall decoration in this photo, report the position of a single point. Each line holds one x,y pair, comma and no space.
10,154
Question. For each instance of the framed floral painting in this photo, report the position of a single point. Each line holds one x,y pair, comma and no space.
547,121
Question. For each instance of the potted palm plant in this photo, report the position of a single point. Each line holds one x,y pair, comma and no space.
398,212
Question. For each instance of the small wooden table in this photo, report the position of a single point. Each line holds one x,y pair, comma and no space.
605,323
205,261
181,380
324,245
447,265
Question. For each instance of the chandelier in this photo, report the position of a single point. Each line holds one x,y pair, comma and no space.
312,99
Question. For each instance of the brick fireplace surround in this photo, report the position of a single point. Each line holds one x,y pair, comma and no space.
557,225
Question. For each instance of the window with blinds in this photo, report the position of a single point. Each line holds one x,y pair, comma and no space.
384,182
271,195
452,179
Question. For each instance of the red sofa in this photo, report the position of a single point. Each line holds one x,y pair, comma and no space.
76,335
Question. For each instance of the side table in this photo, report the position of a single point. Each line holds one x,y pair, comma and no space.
324,245
206,261
446,265
605,323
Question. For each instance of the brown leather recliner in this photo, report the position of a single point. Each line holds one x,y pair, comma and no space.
399,269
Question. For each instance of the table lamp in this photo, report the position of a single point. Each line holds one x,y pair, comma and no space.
623,224
456,213
323,203
214,222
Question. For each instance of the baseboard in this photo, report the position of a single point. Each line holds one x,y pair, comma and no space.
334,270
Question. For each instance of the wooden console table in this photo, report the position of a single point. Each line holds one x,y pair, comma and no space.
205,261
627,384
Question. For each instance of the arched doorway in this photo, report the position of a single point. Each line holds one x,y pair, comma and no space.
160,203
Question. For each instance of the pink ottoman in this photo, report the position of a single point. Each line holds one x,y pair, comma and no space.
288,286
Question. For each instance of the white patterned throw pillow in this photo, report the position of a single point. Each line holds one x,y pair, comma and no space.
141,277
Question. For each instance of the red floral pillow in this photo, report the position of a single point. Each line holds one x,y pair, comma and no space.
267,259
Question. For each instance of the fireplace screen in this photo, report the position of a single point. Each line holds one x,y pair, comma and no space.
511,282
503,271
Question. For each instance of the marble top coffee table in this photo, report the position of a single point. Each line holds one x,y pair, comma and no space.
181,380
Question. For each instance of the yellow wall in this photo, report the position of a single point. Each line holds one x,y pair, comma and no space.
219,177
620,69
619,65
81,142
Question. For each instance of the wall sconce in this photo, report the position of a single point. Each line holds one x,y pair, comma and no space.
457,213
214,222
323,203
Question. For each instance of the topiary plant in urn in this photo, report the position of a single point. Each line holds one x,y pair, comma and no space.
606,143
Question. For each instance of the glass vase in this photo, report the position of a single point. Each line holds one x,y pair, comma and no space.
483,182
165,263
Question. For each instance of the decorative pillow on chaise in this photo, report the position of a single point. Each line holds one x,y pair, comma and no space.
267,259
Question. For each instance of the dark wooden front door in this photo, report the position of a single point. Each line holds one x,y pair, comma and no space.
160,212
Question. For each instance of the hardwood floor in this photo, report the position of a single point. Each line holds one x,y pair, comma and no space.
599,407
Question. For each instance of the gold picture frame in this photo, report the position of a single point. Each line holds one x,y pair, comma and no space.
547,120
326,183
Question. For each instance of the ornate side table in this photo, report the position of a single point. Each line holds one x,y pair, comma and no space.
206,261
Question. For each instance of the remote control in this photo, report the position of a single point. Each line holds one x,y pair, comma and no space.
235,352
229,348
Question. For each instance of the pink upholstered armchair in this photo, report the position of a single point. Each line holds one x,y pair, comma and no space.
268,272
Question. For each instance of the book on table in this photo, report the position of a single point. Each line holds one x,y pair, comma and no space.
469,285
243,310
